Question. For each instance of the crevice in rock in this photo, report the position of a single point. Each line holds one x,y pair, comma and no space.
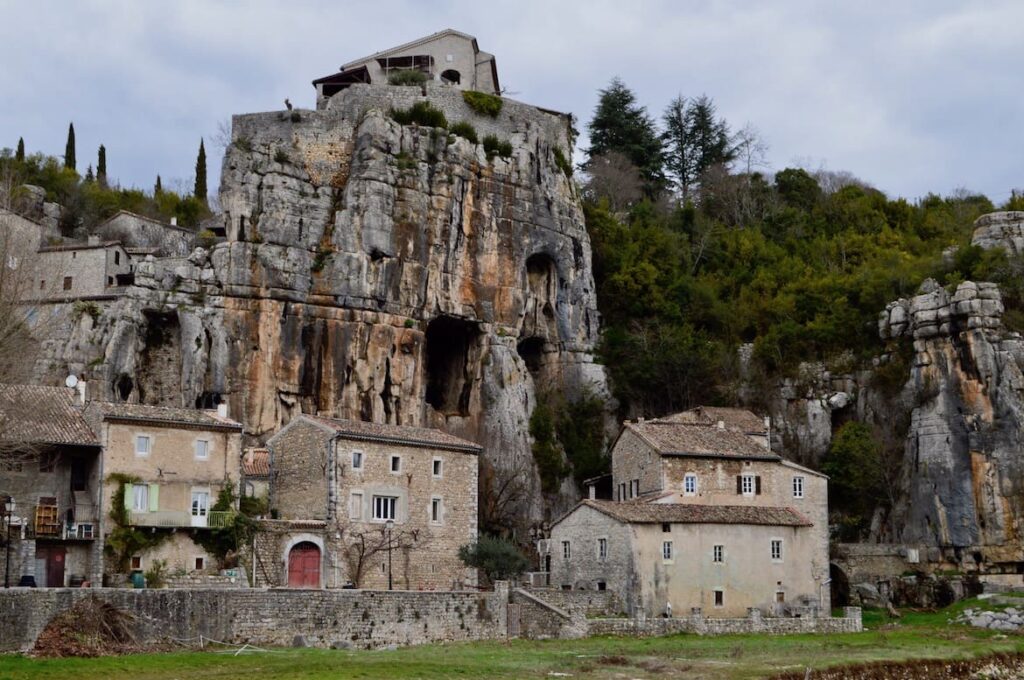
450,344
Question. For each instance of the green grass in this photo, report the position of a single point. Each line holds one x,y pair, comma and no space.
915,635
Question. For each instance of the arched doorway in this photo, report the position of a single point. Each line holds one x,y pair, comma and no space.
304,566
451,76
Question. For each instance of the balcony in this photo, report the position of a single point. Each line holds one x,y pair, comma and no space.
47,523
178,519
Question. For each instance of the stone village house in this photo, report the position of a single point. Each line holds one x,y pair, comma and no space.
705,516
344,491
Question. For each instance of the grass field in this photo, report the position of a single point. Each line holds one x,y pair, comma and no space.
916,635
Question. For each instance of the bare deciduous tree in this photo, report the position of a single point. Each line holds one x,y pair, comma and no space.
501,496
361,545
613,177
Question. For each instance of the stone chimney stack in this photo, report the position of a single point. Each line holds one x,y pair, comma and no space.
222,409
83,392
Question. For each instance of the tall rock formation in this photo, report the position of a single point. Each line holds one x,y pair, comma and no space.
372,271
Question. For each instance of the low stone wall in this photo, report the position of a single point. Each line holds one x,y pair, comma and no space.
850,622
582,603
356,618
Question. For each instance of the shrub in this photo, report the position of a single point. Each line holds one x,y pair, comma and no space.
562,162
495,147
323,253
206,239
281,156
404,161
420,113
156,576
546,453
483,103
243,144
497,558
84,307
464,130
407,76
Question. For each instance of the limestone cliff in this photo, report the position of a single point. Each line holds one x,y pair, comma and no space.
372,271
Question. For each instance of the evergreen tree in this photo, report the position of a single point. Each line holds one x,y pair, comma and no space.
69,150
200,189
621,125
679,160
19,155
101,166
89,177
158,188
695,141
709,136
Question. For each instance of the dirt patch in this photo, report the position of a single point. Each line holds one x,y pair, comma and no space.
1002,666
90,628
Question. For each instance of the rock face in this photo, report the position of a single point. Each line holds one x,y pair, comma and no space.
1000,230
371,271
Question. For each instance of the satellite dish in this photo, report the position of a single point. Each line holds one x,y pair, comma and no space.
71,380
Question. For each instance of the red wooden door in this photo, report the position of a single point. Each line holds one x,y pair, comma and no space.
54,558
304,566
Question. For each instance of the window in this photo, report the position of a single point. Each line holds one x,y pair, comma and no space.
42,284
666,550
140,497
635,488
200,563
136,562
67,283
747,485
396,464
666,527
385,507
718,554
776,550
117,257
719,598
202,449
602,548
690,484
355,505
622,491
142,445
566,550
437,467
435,510
357,460
798,487
86,531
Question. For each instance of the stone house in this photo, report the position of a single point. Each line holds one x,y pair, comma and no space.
368,503
255,470
167,467
93,270
705,516
50,466
448,56
141,233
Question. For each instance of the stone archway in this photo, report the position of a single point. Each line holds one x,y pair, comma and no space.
451,76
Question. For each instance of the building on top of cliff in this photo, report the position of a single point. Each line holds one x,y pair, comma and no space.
140,232
448,56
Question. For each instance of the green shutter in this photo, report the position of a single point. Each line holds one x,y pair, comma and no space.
154,497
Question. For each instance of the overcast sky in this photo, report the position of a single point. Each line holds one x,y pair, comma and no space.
911,96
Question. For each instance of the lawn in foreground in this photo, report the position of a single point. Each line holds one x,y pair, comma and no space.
730,656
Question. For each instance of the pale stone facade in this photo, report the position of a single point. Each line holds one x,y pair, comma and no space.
82,270
141,232
354,477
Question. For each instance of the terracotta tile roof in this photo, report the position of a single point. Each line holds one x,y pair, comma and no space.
739,419
679,439
164,415
256,463
657,513
396,434
33,414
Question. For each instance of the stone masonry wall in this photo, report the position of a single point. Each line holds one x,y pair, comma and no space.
850,622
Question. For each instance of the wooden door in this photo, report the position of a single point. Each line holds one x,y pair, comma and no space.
304,566
51,558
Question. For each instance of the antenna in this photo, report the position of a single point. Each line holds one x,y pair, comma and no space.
71,381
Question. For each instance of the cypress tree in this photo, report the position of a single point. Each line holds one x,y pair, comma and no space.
101,166
89,177
159,187
200,190
19,155
69,150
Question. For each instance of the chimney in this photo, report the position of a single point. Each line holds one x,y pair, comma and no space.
83,392
592,489
94,239
174,221
222,409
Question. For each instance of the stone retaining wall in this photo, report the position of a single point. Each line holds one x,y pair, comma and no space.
850,622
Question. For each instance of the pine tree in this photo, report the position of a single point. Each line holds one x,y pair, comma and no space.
158,188
679,159
19,155
88,174
101,166
69,150
695,141
200,190
623,126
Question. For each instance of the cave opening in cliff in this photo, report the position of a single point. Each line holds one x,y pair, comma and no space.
159,376
532,352
450,344
542,294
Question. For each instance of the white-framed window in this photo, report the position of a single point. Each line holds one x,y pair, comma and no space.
357,460
719,597
396,464
136,562
602,549
776,550
718,554
566,550
202,449
437,468
666,551
798,487
690,484
436,509
140,497
355,505
143,444
748,485
385,507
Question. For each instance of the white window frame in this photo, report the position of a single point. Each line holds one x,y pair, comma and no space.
566,550
391,464
436,503
798,486
776,550
602,549
140,491
204,445
437,467
139,438
380,504
748,484
690,480
718,554
131,563
667,551
355,504
357,458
